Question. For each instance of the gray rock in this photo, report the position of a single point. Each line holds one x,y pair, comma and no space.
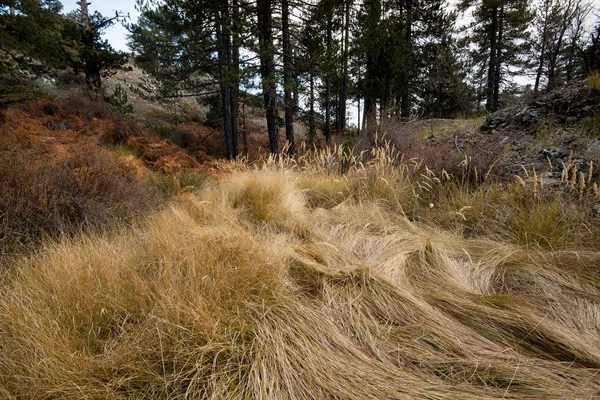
562,105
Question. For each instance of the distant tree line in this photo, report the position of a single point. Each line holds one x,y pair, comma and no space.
312,59
392,58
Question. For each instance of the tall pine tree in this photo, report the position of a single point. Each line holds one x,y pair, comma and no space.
500,34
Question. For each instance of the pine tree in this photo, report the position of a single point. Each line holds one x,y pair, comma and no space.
501,36
309,64
192,47
394,41
443,88
555,21
289,81
31,33
370,40
264,10
96,56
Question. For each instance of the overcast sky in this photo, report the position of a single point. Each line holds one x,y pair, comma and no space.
115,34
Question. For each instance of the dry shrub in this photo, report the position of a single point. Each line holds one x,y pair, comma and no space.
434,143
65,106
321,190
68,77
264,196
41,195
123,127
470,166
78,104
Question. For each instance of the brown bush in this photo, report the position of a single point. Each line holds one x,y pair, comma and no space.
41,196
123,128
469,166
70,78
78,104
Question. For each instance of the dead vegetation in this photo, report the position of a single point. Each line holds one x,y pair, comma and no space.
48,195
322,277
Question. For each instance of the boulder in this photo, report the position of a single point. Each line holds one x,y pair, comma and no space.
563,105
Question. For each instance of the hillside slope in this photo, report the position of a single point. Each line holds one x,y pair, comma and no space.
548,133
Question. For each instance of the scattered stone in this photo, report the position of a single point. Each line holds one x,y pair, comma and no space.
552,154
565,104
60,125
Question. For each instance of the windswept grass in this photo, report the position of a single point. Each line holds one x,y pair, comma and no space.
294,281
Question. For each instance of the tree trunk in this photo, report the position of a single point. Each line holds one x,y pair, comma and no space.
93,79
223,54
85,17
235,75
327,131
244,130
372,77
289,82
358,118
542,55
267,69
344,88
11,11
497,72
492,32
296,89
405,95
570,59
312,126
371,118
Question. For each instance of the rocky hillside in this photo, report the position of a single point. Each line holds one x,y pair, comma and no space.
553,133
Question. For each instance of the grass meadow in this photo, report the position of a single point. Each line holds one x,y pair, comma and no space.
327,276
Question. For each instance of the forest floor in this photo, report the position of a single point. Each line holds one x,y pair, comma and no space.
137,264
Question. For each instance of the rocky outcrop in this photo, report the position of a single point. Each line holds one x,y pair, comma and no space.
565,106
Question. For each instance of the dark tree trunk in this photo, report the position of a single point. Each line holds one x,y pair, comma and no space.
244,130
385,101
224,58
371,74
92,69
267,69
235,74
344,88
371,118
405,95
358,121
364,117
492,32
296,89
327,131
497,72
289,82
572,49
312,126
570,58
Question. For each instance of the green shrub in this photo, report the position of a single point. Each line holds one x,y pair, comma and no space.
11,94
118,99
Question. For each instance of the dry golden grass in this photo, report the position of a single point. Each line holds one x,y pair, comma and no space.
292,281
